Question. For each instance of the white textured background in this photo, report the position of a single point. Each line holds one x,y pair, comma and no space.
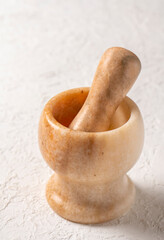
46,47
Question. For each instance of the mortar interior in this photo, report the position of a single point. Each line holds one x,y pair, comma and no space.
67,105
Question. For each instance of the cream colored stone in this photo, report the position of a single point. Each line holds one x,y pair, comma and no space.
90,184
116,73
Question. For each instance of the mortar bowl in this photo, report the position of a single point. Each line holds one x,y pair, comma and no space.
90,184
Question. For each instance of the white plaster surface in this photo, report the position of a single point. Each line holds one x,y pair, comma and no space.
47,47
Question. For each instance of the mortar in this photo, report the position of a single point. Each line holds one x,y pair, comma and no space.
90,184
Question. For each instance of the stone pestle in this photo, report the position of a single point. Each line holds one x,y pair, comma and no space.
116,73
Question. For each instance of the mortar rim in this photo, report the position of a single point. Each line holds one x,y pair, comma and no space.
133,109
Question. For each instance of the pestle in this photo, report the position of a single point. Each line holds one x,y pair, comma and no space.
116,73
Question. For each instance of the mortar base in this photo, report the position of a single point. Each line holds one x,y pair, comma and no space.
90,203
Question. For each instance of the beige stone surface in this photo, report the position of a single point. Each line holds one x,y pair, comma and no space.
51,46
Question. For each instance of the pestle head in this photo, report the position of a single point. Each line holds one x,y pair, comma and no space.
116,73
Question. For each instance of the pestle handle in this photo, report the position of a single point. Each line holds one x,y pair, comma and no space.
116,73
